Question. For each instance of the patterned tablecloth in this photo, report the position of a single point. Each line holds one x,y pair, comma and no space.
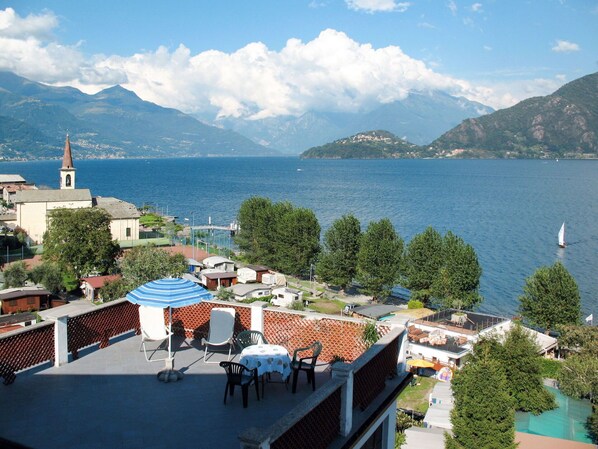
267,359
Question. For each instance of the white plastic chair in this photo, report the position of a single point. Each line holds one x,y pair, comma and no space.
153,329
222,323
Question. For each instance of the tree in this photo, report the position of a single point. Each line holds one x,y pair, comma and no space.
297,241
458,280
578,377
522,362
338,262
79,241
15,275
422,262
255,239
379,258
578,339
143,264
49,275
551,298
115,289
483,415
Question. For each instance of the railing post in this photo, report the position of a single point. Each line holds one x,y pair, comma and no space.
61,351
389,427
345,371
254,438
257,315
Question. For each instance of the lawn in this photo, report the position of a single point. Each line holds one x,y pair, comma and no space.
329,306
416,397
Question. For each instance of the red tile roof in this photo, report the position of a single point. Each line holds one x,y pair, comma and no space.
99,281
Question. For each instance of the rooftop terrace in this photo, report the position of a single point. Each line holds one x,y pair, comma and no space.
110,397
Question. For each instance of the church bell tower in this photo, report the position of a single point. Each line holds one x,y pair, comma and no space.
67,172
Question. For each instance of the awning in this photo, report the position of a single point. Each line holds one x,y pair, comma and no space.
420,363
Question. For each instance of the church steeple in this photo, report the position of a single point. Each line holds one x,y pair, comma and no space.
67,172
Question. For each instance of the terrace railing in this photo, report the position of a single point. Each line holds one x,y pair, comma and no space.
341,408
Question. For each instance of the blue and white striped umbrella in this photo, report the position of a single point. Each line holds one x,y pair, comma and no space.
170,292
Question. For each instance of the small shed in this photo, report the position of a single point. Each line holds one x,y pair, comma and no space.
219,263
91,286
254,290
16,321
285,296
213,281
24,299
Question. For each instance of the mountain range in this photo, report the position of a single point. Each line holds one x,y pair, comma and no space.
115,122
563,124
419,118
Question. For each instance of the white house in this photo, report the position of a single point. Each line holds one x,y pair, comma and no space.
219,263
124,217
285,296
246,291
447,337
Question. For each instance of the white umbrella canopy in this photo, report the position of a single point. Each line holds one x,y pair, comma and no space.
171,293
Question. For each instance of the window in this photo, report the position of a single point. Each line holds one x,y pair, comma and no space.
128,232
68,180
30,301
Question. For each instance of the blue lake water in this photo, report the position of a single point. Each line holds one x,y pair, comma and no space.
510,211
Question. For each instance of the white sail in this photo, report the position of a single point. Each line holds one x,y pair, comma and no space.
562,236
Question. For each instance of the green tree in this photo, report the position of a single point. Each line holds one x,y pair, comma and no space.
257,222
483,415
49,275
458,281
574,338
578,377
143,264
550,298
115,289
379,258
297,241
422,262
337,264
79,241
522,362
15,275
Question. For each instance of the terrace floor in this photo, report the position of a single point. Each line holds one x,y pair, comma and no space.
111,398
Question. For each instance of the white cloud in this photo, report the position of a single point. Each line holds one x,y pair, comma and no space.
487,48
372,6
476,7
332,72
452,6
426,25
30,27
565,47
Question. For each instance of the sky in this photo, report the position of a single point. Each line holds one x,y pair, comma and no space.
257,59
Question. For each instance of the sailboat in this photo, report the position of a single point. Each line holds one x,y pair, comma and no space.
562,243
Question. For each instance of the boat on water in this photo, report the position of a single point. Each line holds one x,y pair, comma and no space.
562,243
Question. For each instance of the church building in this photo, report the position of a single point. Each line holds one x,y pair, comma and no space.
33,206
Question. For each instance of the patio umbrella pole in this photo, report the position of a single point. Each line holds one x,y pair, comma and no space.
169,374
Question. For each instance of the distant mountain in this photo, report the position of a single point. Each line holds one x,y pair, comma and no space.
115,122
369,145
563,124
419,118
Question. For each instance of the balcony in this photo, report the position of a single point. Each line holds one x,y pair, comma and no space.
96,390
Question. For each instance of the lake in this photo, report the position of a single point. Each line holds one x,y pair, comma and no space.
509,210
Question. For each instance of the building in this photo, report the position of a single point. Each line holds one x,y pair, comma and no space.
219,263
23,299
33,207
285,296
253,290
251,273
213,280
447,337
124,217
91,286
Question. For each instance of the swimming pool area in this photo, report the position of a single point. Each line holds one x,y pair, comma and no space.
567,421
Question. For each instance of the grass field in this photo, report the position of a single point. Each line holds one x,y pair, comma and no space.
416,397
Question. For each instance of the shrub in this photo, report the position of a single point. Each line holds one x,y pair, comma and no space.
415,304
297,305
370,334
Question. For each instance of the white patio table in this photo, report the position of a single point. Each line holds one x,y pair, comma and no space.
267,359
